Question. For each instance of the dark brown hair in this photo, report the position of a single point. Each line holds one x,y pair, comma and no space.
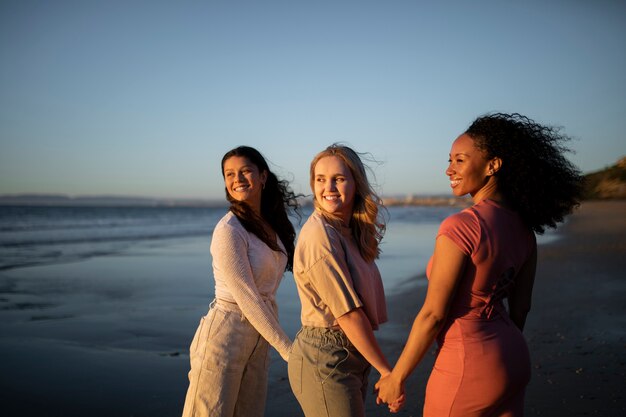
277,200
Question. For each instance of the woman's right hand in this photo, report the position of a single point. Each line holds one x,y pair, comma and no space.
397,405
390,390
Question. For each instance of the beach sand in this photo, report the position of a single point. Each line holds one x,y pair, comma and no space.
113,345
576,330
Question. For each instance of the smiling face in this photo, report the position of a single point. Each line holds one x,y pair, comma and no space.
469,170
243,181
334,187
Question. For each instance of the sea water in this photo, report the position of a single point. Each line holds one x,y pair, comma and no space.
35,235
68,254
151,266
105,301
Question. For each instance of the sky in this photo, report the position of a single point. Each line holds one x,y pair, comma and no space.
143,98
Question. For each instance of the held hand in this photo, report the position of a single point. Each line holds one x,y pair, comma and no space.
390,391
397,404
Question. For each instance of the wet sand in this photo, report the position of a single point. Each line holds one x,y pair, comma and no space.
104,336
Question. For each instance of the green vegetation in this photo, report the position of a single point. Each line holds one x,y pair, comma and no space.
609,183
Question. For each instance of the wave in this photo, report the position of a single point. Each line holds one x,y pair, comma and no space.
103,239
43,235
49,258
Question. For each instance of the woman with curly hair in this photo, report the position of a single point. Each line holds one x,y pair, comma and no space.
520,183
252,246
340,289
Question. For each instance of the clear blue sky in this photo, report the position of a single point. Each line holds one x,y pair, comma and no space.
143,98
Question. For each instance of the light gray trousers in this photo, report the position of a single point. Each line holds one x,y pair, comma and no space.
327,374
229,366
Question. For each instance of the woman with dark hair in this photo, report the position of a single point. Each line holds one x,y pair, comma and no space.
520,183
252,246
340,289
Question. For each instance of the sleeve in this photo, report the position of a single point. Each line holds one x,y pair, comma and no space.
229,249
463,229
330,277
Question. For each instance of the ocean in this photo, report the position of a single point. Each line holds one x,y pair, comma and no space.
98,305
152,264
35,235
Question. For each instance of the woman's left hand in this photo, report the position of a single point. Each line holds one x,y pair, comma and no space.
390,391
397,404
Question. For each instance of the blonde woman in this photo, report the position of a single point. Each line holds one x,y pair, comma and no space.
340,289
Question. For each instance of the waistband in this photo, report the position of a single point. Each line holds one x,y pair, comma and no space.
325,335
234,307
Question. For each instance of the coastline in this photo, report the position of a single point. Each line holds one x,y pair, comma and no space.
576,330
108,335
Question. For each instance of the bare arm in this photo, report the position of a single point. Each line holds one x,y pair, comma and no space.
358,329
447,269
521,293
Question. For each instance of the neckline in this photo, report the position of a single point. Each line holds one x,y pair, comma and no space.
337,224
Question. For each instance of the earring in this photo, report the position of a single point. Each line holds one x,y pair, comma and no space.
490,172
264,186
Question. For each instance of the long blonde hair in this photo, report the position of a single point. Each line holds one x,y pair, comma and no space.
367,223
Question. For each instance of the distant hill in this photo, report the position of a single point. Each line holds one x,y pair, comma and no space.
610,183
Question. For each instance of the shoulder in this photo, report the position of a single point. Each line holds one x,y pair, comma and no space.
228,227
466,219
317,230
463,229
318,239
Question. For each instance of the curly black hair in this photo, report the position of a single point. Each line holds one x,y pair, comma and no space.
535,178
277,200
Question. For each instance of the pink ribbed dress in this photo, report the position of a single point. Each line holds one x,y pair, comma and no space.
483,365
